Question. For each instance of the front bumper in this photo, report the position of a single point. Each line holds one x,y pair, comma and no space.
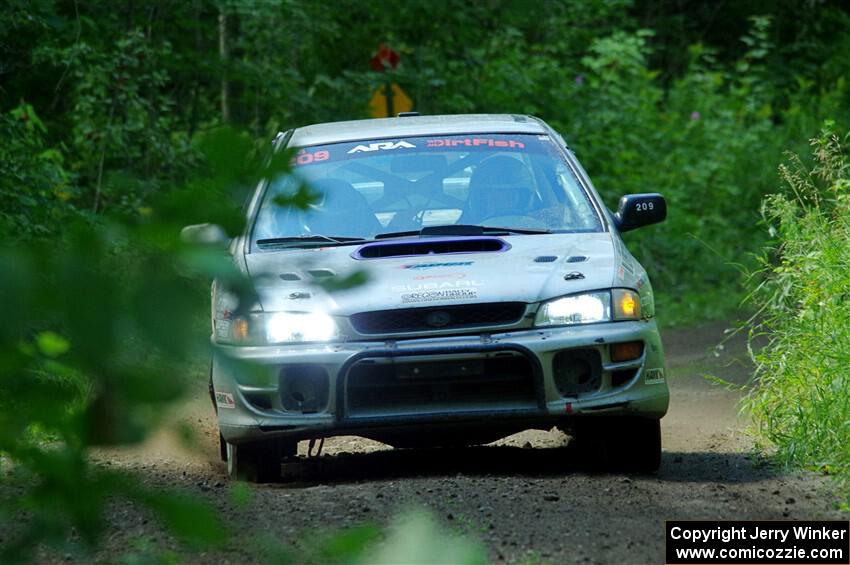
358,387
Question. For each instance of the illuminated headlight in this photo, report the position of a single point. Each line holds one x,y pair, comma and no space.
578,309
277,327
287,327
590,308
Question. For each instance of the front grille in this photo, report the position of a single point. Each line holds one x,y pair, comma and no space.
408,387
438,318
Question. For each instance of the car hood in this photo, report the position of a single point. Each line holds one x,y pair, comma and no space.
528,268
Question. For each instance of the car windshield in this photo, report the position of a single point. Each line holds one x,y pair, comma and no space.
374,187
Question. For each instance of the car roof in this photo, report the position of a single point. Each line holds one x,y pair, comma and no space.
356,130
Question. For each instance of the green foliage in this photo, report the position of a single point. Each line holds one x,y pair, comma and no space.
124,127
652,98
98,335
34,184
409,537
98,330
414,535
799,399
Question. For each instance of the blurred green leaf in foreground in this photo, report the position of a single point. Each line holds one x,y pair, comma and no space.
99,324
100,329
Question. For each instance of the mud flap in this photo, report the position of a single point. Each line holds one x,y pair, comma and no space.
212,391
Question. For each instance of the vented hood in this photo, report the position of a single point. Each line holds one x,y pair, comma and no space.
412,272
430,246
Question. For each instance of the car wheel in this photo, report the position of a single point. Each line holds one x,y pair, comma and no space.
257,462
628,444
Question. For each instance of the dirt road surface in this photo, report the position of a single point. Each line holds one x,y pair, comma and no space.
526,498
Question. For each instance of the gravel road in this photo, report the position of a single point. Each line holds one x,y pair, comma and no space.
526,497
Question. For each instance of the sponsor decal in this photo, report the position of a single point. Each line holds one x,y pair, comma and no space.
436,285
382,145
654,377
436,295
476,142
432,265
445,276
225,400
222,327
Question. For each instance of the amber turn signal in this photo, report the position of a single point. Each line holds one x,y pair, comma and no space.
239,329
626,304
626,351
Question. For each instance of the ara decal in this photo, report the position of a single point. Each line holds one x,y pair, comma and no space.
382,145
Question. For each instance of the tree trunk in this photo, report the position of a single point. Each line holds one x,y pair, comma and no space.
223,56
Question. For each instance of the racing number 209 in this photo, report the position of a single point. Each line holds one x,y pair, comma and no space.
304,158
644,206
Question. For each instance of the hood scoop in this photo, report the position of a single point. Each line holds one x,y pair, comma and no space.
430,246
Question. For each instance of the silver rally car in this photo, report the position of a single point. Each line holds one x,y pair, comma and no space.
498,297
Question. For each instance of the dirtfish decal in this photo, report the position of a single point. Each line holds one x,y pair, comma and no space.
381,145
476,142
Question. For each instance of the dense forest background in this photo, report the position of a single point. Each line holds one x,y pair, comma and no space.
103,103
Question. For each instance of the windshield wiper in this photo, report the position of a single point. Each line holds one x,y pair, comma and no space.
493,230
299,240
462,230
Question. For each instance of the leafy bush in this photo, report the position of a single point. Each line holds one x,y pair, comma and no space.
799,400
667,100
99,322
708,144
98,336
34,184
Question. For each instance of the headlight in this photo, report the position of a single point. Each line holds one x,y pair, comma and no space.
277,327
285,327
590,308
578,309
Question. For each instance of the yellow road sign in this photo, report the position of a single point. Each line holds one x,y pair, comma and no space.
380,107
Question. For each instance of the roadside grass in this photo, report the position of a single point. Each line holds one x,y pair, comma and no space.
799,397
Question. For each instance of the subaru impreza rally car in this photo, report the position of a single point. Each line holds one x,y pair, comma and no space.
498,297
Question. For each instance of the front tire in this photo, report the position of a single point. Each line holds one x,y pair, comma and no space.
257,462
628,444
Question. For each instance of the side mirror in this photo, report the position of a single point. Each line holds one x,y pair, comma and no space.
204,234
638,210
